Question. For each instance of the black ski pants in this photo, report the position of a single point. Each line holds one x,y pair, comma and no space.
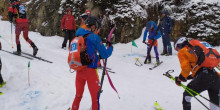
219,92
69,35
205,79
1,79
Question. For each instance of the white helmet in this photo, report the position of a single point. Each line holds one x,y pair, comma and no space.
180,42
22,9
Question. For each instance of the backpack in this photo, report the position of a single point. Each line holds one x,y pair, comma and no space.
78,58
19,10
22,11
206,54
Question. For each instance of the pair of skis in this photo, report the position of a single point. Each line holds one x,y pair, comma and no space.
137,63
27,56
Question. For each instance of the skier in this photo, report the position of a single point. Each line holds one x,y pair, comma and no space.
68,25
17,11
153,35
84,16
165,27
203,78
89,74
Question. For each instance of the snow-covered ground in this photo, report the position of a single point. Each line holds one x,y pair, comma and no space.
52,85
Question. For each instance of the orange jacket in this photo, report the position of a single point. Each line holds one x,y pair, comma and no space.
187,59
83,25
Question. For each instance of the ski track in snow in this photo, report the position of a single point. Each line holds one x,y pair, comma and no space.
52,86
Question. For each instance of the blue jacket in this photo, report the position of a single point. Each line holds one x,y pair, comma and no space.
94,44
166,24
152,34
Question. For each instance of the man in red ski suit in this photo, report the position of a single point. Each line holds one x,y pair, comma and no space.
94,44
17,11
68,25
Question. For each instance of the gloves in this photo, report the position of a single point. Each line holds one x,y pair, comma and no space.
109,44
177,81
180,79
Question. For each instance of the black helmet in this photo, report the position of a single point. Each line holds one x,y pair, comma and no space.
92,20
180,42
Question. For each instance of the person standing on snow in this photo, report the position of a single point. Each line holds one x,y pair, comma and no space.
203,78
68,25
18,12
94,44
165,26
153,35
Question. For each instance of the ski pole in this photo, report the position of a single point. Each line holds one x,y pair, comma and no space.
185,87
171,77
192,91
148,54
29,73
12,46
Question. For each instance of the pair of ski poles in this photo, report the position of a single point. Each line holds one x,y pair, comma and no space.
190,91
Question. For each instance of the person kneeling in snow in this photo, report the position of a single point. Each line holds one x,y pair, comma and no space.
153,35
203,78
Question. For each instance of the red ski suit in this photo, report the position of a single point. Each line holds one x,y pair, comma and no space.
21,25
90,76
94,45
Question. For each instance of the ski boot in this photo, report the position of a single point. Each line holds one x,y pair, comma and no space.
157,61
164,53
64,48
148,60
2,84
167,54
35,49
18,52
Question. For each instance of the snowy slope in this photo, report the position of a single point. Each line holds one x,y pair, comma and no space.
52,85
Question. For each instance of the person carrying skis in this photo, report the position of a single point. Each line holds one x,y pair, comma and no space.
153,35
17,11
68,26
203,78
165,27
89,74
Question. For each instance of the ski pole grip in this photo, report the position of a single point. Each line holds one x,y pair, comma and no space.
170,71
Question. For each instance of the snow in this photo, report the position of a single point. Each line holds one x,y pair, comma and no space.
52,85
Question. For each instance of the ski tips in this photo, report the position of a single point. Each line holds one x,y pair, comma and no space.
157,106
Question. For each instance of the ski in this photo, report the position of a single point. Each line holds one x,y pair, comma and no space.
17,54
39,58
157,106
156,65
